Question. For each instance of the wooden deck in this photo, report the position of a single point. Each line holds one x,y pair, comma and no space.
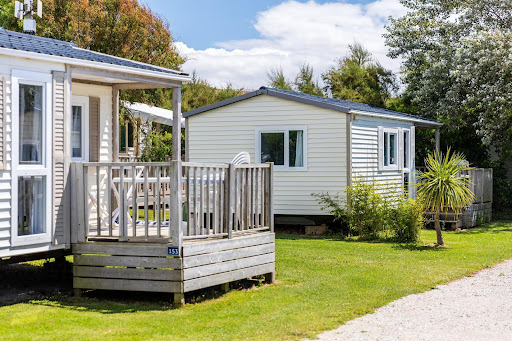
226,234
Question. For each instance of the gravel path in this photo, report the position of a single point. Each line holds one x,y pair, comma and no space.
472,308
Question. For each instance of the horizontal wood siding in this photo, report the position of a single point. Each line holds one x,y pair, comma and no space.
217,262
220,134
365,151
126,266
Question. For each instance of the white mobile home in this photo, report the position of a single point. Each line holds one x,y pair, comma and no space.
62,187
316,144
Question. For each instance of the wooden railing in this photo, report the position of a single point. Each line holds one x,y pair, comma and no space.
177,200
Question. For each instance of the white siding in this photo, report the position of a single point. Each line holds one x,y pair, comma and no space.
220,134
7,64
104,93
365,150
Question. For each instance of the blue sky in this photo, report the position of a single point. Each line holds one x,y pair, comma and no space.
237,42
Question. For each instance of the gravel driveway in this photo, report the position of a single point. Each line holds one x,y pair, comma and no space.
472,308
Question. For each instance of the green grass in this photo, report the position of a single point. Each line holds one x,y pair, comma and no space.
322,282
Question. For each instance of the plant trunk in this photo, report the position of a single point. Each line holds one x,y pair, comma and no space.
437,224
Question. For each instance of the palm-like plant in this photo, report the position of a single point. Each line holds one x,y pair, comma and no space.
442,187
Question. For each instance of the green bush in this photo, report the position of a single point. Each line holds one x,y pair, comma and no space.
156,146
373,211
408,221
369,210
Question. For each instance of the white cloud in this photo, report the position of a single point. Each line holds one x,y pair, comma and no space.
293,33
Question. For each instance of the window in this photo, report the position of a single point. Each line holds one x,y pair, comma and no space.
31,158
80,129
407,148
30,124
285,147
390,143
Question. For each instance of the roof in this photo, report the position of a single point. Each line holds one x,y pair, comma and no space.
52,47
150,113
323,102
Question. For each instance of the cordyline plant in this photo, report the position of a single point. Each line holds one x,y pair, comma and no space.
442,186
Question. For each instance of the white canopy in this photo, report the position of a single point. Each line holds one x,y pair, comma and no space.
150,113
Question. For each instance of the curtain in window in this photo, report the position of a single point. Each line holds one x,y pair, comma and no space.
299,150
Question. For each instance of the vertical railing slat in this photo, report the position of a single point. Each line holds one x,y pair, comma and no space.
157,188
196,217
135,208
201,202
98,202
207,197
146,202
109,200
122,215
256,201
232,201
214,198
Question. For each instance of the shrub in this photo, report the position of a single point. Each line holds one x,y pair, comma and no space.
156,146
408,221
373,211
369,209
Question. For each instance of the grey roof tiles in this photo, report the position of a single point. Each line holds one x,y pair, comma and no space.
53,47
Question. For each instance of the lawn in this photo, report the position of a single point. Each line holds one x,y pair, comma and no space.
322,282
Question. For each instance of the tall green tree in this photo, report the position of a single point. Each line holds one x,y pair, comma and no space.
359,77
305,83
122,28
276,79
458,68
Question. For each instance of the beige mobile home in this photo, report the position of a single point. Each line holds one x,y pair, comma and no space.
63,189
316,144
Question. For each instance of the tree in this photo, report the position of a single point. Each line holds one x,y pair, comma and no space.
122,28
458,68
199,93
358,77
276,79
442,187
304,81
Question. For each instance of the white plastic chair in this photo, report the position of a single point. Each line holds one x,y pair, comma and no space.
241,159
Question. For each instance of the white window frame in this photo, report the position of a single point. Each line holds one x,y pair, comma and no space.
45,168
396,132
286,130
406,149
82,101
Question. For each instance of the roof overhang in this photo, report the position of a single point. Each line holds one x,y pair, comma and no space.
418,122
124,76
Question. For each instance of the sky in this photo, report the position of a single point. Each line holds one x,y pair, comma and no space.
238,41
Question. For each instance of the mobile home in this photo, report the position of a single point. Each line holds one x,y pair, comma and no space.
316,144
62,187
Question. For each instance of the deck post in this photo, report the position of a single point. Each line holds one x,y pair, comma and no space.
270,277
231,202
115,123
271,197
176,211
176,123
178,299
438,141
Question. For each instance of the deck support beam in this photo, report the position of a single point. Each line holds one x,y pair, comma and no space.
178,299
270,277
224,287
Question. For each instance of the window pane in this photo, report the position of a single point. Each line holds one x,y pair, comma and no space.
31,205
392,150
31,124
406,149
296,145
272,148
386,151
76,132
130,134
